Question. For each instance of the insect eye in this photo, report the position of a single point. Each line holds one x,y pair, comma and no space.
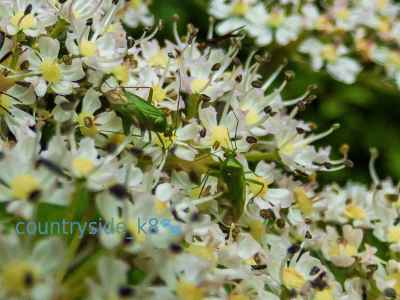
203,132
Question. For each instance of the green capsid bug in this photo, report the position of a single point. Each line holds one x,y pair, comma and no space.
231,173
140,112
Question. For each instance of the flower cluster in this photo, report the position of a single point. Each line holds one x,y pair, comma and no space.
341,35
201,160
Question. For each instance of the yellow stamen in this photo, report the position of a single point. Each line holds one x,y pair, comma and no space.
384,25
342,249
396,278
325,294
343,14
204,252
394,59
324,24
355,212
276,18
393,234
134,229
240,8
135,4
198,85
220,136
304,203
22,21
160,207
117,138
82,166
329,53
166,141
51,71
87,124
18,277
5,104
293,279
22,186
257,229
122,73
87,48
160,59
159,94
252,117
188,291
238,297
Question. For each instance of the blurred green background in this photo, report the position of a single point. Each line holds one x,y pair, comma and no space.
368,110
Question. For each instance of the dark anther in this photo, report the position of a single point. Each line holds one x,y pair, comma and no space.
128,238
28,280
292,294
392,197
2,39
88,121
267,214
216,67
34,196
195,217
24,66
203,132
2,155
268,110
259,267
319,282
300,130
280,223
251,140
89,22
175,248
176,216
308,235
293,249
119,191
126,291
204,98
28,10
236,61
115,2
390,293
314,271
257,84
239,78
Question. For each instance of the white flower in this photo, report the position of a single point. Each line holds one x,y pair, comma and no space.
342,251
29,271
339,66
136,12
50,72
30,17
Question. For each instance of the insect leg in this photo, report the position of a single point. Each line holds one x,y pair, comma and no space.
254,196
258,183
236,129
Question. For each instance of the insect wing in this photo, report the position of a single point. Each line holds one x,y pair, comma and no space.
233,176
149,116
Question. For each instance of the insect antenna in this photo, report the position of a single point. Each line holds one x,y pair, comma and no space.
236,131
